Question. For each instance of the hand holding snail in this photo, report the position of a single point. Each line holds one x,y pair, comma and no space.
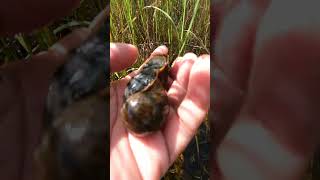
188,103
146,103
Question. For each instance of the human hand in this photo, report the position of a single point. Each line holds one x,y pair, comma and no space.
149,157
266,89
23,90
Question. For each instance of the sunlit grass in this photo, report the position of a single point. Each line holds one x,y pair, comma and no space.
183,26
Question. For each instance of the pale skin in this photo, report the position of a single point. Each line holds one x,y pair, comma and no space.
267,92
21,81
258,49
24,86
149,157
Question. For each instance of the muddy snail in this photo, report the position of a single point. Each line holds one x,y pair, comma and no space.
74,145
145,108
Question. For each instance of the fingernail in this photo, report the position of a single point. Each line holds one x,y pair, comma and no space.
190,56
41,53
163,46
59,48
112,45
160,50
204,56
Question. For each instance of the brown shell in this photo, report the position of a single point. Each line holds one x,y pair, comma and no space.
75,147
147,75
146,103
74,144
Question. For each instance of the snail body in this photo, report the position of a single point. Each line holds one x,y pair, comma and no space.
145,107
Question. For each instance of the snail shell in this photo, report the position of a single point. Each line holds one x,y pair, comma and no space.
145,107
74,144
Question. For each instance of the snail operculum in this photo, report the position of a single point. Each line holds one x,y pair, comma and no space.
146,103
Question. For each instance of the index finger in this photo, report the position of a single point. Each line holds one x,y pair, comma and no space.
183,122
160,51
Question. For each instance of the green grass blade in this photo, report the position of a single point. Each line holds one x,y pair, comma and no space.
196,7
166,14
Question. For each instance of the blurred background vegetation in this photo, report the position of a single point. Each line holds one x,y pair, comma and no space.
22,45
183,26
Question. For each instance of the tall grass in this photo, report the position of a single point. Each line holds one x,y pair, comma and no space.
22,46
183,26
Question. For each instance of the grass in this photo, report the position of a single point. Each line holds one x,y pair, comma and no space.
22,45
183,26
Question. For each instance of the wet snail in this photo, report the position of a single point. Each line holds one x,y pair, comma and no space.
75,147
146,107
76,133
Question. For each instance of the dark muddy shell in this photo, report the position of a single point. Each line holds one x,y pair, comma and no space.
75,148
145,107
76,138
148,74
84,73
